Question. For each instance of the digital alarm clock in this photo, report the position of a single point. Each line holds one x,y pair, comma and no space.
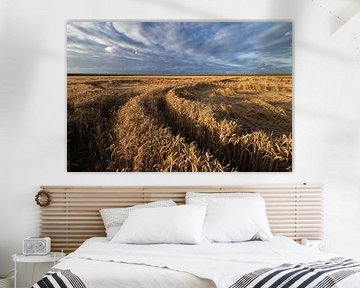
36,246
320,245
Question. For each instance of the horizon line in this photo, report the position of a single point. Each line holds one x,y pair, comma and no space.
145,74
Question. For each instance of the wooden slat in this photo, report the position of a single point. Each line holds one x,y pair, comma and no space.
73,216
187,188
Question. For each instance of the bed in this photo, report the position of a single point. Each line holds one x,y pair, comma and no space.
98,263
281,262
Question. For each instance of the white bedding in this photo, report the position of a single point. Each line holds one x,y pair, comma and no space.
100,263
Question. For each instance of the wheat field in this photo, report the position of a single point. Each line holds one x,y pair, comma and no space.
179,123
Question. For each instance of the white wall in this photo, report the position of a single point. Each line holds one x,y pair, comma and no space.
33,108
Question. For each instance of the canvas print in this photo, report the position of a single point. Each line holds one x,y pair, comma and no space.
179,96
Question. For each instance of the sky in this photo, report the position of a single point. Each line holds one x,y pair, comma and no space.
179,47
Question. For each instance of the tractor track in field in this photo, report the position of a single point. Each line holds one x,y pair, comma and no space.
236,153
144,143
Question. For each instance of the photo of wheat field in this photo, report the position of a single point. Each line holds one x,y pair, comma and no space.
173,120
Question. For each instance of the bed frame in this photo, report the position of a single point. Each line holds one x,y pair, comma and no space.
73,214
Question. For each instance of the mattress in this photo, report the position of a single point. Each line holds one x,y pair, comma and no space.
99,263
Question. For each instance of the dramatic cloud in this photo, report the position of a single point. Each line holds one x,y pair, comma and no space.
179,47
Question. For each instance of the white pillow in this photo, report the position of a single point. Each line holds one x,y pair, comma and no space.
173,225
204,198
236,220
113,218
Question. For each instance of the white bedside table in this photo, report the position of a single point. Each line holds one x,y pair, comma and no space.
53,257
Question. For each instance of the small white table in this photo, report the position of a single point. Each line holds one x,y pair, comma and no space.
53,257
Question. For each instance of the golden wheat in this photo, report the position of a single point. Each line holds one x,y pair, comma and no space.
179,123
256,151
142,144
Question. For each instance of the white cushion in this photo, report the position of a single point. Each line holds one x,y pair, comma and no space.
236,220
113,218
181,224
204,198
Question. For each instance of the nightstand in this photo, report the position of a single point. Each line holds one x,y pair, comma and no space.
52,257
320,245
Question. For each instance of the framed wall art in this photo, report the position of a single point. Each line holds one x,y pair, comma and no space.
179,96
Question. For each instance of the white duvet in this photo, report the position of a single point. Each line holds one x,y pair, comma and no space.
100,263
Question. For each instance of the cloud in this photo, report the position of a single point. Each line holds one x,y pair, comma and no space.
110,49
179,47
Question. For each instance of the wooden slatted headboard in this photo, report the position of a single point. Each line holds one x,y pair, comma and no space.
73,215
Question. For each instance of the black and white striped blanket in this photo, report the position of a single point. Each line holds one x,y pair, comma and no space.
57,278
320,274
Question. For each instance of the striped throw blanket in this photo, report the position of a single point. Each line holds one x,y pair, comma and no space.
59,278
320,274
